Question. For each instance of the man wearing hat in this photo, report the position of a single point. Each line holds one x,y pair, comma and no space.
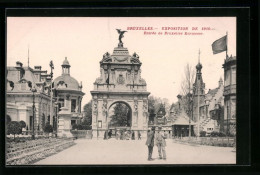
150,143
161,143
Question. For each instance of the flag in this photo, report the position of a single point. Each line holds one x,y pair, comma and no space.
219,45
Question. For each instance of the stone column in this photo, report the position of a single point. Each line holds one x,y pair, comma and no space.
64,125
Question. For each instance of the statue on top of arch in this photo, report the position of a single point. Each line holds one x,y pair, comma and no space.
135,58
106,58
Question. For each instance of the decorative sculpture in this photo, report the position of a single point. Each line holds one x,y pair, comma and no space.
135,58
104,107
121,35
106,57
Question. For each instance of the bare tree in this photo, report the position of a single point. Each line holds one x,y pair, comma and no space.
186,91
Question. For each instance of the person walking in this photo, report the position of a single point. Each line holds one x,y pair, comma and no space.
161,143
150,143
133,135
139,135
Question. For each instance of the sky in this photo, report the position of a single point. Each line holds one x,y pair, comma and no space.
84,40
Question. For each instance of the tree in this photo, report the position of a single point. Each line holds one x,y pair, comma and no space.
48,128
7,119
14,128
74,126
121,115
155,102
87,120
186,88
22,124
80,127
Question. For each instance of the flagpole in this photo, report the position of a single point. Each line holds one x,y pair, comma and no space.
28,55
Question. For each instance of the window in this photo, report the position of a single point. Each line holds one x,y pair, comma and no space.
233,75
61,103
227,78
73,105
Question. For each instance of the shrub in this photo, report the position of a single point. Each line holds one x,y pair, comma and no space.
221,134
22,124
86,127
80,127
214,134
74,126
48,128
14,128
217,134
202,133
8,119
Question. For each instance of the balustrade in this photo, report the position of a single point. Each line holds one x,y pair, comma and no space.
34,150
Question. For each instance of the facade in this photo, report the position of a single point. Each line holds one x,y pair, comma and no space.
68,94
179,120
119,82
19,96
211,112
207,108
230,95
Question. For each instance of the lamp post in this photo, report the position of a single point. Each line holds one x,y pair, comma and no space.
33,91
189,96
51,109
56,119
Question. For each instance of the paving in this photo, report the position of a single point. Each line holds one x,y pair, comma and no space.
112,151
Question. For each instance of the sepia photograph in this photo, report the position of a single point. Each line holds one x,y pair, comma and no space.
121,91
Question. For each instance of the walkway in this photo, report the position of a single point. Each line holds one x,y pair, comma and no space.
135,152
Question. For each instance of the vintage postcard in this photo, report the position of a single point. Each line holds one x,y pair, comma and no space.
121,90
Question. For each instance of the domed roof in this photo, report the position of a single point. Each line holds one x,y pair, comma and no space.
199,66
70,82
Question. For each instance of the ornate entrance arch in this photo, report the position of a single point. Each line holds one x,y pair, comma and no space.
120,80
110,108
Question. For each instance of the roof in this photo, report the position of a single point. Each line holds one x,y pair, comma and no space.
212,92
70,82
65,62
182,119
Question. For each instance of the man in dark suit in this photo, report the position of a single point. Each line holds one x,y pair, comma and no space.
150,143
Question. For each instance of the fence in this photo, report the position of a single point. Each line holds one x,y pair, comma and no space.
212,141
82,134
31,151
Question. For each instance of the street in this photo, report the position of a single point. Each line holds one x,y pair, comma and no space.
112,151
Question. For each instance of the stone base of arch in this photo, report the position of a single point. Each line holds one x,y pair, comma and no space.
136,101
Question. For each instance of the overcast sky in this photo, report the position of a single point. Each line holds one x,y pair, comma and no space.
84,40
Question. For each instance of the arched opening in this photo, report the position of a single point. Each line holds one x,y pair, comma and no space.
119,115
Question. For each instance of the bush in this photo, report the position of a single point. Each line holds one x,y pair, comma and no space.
74,126
8,119
86,127
217,134
22,124
14,128
80,127
202,133
221,134
48,128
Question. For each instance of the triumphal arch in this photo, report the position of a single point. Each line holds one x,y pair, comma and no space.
119,82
